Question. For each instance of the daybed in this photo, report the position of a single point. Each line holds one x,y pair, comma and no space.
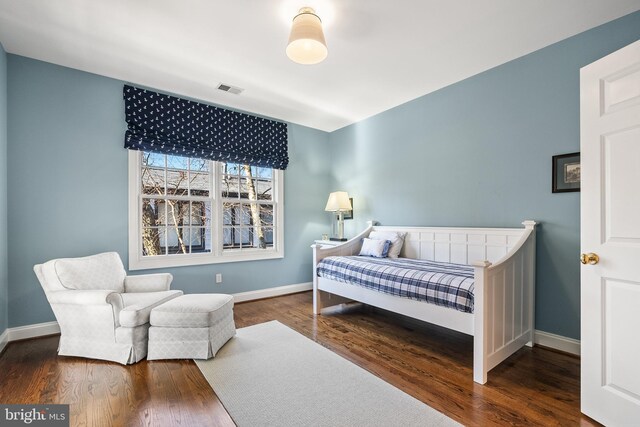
503,261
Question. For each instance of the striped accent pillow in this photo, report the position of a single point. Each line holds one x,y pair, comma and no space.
375,248
395,237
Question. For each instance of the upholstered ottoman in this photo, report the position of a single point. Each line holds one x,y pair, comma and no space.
192,326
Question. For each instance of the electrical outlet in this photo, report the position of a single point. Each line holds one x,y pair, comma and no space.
218,277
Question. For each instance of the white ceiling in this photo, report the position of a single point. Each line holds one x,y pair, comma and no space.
382,53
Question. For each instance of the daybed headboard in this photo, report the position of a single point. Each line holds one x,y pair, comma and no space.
460,245
457,245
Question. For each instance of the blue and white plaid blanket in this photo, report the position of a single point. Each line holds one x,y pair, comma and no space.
440,283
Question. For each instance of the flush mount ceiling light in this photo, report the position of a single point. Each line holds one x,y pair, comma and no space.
306,41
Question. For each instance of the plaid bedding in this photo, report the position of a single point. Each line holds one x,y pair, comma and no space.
440,283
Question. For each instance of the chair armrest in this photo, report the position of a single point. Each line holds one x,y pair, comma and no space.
148,282
82,297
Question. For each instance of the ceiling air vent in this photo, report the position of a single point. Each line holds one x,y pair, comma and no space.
231,89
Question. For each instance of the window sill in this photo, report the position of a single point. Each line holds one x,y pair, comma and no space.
167,261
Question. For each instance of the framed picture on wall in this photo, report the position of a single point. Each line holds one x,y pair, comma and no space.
566,173
348,214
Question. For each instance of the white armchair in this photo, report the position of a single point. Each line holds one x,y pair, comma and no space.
102,312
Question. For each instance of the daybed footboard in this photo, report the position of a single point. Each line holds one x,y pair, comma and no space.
504,295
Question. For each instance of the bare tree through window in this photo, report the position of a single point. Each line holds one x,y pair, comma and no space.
248,211
175,214
177,202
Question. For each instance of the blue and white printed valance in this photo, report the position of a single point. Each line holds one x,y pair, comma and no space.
170,125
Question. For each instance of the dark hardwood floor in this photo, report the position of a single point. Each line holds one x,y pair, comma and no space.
533,387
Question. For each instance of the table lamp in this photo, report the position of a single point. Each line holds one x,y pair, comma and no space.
339,202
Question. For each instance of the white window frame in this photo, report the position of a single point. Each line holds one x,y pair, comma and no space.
217,255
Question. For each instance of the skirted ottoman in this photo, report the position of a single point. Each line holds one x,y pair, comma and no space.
191,326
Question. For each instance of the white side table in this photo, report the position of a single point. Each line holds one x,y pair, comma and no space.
327,243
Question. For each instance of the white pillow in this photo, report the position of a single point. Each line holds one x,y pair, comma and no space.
395,237
375,248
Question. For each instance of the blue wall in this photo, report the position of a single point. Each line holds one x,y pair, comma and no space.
4,272
478,153
68,180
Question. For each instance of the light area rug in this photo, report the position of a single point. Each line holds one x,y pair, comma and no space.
270,375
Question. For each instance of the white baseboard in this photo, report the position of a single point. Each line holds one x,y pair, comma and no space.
4,339
32,331
546,339
557,342
50,328
272,292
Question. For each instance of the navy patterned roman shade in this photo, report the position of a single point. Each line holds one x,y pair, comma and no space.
169,125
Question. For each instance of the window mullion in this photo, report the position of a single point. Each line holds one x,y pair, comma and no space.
166,227
138,178
189,228
216,204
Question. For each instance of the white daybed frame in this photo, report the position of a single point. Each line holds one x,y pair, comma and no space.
504,288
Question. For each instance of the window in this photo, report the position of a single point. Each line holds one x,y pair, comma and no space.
188,211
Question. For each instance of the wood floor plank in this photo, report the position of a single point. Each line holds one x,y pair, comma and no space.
533,387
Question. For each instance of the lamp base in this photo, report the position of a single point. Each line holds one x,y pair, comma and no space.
337,239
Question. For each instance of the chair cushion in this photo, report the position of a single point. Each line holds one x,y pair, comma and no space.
192,311
102,271
137,306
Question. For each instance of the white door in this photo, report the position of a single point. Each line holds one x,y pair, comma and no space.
610,224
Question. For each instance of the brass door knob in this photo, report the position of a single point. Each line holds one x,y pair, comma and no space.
589,258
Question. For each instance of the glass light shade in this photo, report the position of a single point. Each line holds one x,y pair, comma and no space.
338,202
306,41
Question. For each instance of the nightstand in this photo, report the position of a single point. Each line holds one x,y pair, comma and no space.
327,243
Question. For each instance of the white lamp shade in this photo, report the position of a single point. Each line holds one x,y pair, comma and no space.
338,201
306,41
